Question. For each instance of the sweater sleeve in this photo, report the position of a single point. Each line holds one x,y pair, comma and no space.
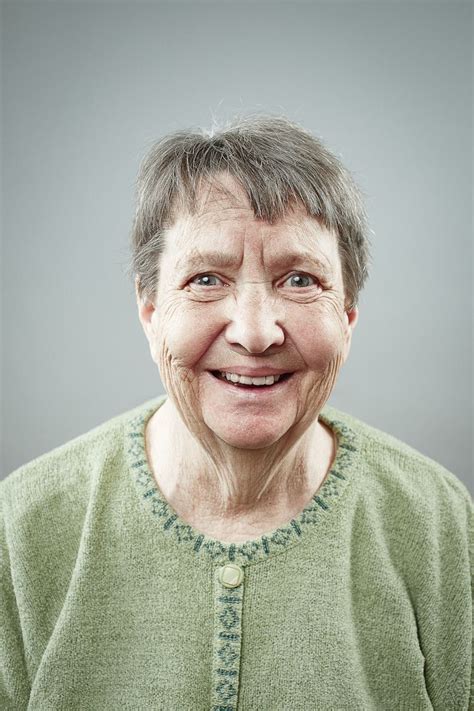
14,684
470,534
446,614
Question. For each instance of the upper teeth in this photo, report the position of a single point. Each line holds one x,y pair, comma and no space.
265,380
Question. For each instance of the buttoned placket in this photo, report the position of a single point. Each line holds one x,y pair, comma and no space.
228,594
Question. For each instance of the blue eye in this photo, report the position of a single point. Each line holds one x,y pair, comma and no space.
297,275
300,276
205,276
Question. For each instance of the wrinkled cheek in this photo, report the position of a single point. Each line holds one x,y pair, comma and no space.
173,365
322,348
315,390
324,356
178,381
329,377
185,338
179,349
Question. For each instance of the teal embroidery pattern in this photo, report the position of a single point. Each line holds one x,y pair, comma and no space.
250,551
226,646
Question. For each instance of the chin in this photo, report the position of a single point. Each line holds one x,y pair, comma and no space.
259,436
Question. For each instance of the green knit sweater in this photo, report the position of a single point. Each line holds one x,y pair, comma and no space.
109,600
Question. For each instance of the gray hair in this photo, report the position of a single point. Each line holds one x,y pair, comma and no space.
277,163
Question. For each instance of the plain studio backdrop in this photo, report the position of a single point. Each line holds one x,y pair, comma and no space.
87,87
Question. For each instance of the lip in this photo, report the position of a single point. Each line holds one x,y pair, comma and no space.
253,372
253,394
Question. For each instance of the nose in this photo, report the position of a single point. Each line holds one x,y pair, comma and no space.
255,321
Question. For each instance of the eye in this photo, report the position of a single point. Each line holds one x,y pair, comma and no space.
301,277
204,277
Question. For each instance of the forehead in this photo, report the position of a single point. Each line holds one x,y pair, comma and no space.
227,222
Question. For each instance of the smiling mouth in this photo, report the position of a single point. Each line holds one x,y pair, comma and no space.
282,379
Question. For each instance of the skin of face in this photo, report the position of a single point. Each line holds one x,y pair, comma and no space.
233,455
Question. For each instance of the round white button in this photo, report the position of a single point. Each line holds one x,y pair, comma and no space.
231,575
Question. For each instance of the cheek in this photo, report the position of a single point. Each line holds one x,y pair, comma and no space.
185,334
319,336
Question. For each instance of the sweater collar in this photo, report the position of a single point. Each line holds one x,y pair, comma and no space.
324,503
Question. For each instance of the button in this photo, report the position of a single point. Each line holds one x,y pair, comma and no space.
231,575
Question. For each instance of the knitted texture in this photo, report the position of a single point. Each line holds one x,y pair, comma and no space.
109,600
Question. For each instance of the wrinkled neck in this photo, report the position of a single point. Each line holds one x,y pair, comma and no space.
221,481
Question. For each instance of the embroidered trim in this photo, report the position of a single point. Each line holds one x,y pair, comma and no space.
227,646
250,551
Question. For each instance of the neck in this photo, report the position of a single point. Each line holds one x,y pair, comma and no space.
216,481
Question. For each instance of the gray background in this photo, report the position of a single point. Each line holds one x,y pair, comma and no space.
87,88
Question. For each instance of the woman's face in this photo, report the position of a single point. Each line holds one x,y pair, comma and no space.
252,303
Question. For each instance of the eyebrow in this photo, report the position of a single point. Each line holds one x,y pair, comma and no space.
226,261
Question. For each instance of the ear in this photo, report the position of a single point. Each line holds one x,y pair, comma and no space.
351,318
146,310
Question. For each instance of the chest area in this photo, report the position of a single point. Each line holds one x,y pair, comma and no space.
231,636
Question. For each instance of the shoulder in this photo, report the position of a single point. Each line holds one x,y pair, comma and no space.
63,477
410,512
392,471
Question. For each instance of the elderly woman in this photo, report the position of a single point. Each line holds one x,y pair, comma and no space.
237,543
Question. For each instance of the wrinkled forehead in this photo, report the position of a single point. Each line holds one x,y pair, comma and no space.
228,237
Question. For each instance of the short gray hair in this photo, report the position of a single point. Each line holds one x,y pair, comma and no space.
277,163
